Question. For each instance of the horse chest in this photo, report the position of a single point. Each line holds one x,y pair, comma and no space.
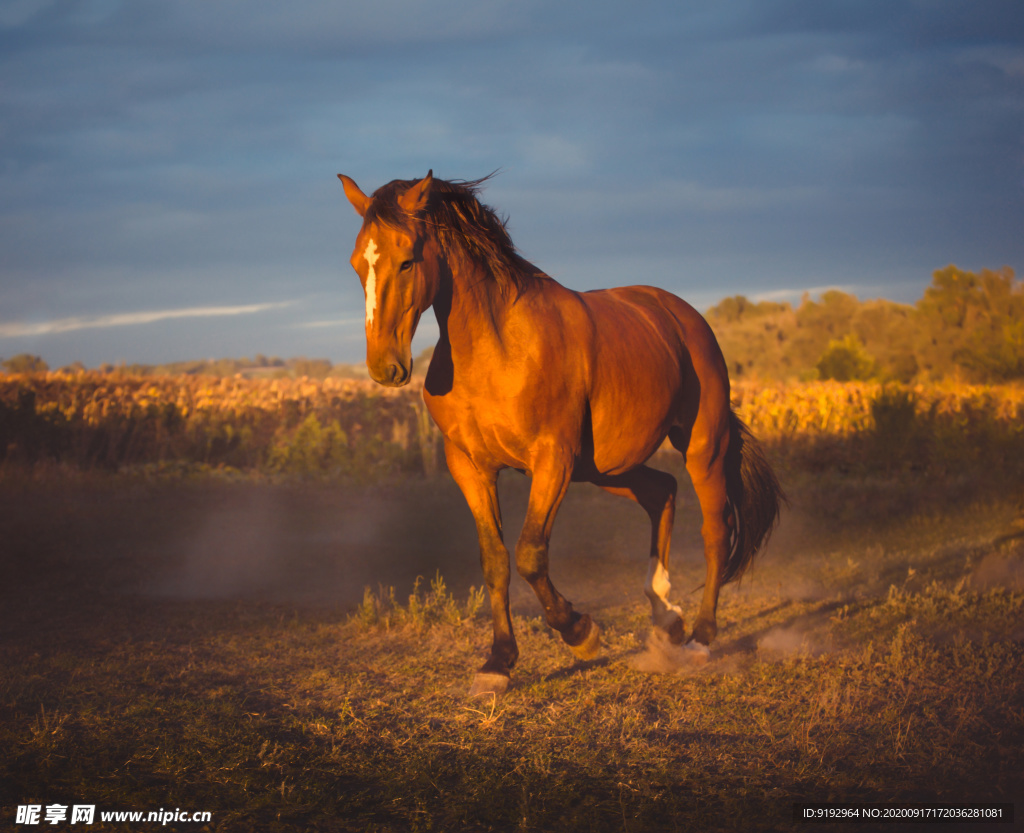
498,431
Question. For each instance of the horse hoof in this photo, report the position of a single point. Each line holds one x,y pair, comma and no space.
662,656
704,632
487,682
590,647
676,630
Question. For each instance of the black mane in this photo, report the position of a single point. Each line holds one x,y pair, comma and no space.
463,224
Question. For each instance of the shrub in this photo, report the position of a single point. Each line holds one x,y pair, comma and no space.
311,450
897,432
846,360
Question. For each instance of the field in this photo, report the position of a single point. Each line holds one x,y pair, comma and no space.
198,637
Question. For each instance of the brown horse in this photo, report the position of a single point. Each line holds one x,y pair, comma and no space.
561,385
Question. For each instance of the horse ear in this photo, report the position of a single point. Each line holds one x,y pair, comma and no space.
360,202
414,200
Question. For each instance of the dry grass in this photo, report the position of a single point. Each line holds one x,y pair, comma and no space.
320,427
148,664
334,427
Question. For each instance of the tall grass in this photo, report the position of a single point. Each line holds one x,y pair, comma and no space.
332,427
380,608
297,426
868,424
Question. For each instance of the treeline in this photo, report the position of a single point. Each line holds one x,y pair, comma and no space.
260,367
967,326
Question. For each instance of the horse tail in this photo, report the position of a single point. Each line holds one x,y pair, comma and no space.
754,494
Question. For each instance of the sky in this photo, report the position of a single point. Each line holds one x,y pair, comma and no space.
168,185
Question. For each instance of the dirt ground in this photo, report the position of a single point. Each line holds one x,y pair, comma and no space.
105,572
72,543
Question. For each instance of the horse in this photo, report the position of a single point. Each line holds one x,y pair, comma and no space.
563,386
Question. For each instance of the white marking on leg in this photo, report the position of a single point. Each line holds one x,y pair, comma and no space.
370,253
663,612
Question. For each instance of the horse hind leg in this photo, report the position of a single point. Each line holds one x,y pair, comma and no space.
705,463
655,492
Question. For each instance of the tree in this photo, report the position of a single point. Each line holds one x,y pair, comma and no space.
846,360
25,363
998,356
974,322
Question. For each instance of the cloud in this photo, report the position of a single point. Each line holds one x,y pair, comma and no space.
333,322
155,152
18,329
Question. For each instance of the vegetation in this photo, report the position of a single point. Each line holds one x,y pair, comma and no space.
867,659
309,427
24,363
846,360
346,428
260,367
968,326
200,643
868,426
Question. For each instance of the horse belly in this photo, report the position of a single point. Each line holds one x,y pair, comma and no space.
631,423
638,374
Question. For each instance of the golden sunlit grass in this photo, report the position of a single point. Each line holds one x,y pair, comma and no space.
846,408
298,426
336,427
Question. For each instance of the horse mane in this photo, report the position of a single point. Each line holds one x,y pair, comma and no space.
463,224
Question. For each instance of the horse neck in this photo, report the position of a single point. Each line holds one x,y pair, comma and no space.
471,307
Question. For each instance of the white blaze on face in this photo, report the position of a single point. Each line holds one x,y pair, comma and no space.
370,253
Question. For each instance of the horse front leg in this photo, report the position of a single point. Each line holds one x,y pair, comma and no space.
480,490
550,483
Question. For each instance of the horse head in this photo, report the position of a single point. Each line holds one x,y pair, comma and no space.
398,265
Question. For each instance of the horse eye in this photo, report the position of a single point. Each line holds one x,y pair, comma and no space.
405,266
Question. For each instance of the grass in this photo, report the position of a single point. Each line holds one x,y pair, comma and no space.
864,660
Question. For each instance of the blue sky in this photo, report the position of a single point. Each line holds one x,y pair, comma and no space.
167,167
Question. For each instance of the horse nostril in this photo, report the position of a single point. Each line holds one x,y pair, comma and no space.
395,373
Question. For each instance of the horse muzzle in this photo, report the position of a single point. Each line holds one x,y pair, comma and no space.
390,372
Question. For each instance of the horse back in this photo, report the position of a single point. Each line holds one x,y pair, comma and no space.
604,373
654,358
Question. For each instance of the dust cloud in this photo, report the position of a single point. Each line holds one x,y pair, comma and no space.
310,545
789,641
1003,568
320,544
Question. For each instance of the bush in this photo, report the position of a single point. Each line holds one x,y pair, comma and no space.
846,360
24,363
897,432
289,426
311,450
